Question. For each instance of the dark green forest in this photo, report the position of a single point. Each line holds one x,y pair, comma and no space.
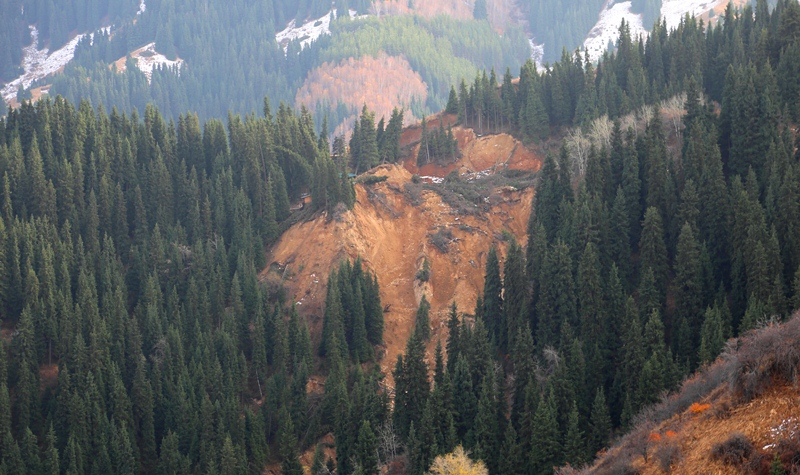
637,272
138,338
232,60
129,255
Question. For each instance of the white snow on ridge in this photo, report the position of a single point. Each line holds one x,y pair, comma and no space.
308,32
39,63
142,7
674,10
607,28
148,58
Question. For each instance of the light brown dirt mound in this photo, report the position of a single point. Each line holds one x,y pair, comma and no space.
489,153
392,237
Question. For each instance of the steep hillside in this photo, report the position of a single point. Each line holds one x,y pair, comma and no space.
734,416
393,227
353,83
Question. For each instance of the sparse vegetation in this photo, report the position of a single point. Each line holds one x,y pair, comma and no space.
457,463
368,180
469,196
667,455
442,239
734,451
424,274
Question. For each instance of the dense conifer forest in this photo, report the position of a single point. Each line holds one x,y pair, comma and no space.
137,337
231,60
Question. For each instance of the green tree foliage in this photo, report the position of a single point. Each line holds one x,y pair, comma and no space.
422,320
353,318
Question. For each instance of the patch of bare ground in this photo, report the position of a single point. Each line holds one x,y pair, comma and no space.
733,416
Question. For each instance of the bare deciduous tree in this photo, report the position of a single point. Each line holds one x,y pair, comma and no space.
578,148
388,443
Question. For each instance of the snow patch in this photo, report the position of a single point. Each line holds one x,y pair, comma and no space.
674,10
787,429
147,58
142,7
433,179
39,63
105,30
309,31
607,28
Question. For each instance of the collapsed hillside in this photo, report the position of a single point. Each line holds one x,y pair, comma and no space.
737,415
397,224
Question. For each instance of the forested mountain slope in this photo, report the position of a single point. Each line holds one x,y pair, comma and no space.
138,338
228,60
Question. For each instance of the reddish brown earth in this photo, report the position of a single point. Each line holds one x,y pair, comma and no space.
392,237
381,83
489,152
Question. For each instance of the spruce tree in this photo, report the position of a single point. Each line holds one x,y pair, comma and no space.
422,322
546,451
367,449
574,442
653,250
485,428
689,296
494,318
599,423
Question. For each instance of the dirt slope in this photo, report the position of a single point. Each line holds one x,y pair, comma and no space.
392,236
752,389
487,153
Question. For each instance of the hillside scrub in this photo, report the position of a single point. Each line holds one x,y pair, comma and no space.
749,367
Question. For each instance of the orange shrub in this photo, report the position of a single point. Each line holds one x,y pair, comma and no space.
654,437
697,408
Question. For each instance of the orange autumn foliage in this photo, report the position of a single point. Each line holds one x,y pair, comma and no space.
381,83
697,408
654,437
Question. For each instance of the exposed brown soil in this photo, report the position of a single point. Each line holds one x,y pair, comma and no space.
392,237
489,152
36,94
699,428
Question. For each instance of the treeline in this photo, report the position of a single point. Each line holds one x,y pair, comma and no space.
137,337
440,49
371,144
635,273
229,65
353,319
572,92
561,24
438,145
